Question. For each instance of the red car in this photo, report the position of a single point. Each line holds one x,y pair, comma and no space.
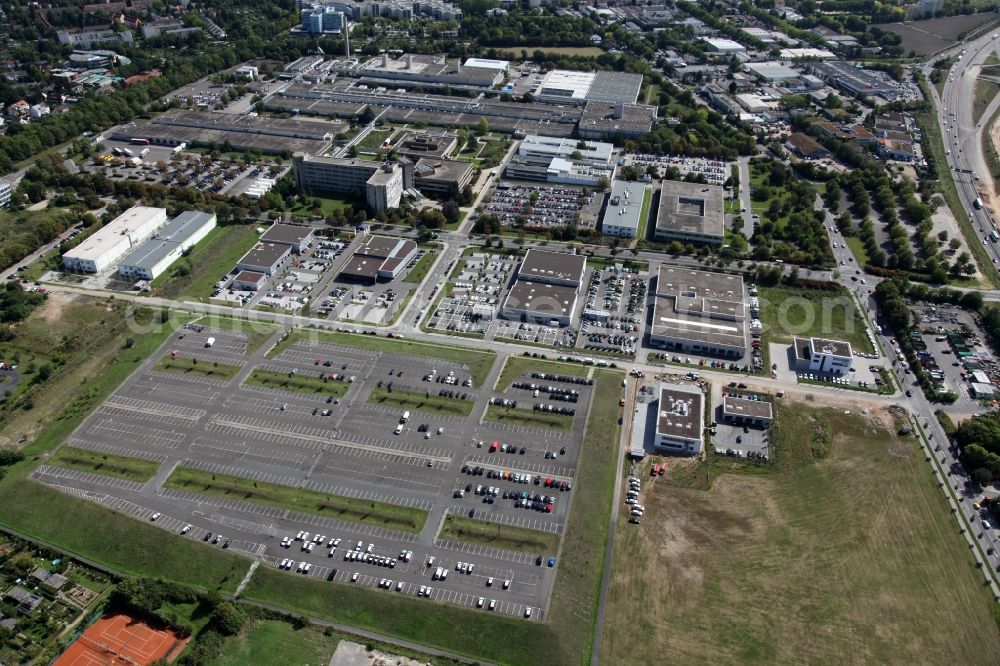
663,469
548,481
655,471
317,362
494,446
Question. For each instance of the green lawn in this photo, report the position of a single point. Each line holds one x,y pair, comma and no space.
567,635
330,204
194,276
459,528
857,247
122,467
788,312
529,418
647,199
276,643
419,271
516,366
203,368
257,331
587,51
308,501
19,230
779,565
301,383
421,402
478,361
986,91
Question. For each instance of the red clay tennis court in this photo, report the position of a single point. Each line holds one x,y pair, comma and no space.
120,639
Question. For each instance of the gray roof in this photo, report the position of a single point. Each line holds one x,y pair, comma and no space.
264,254
691,208
543,265
290,234
615,87
184,225
741,407
699,306
166,240
542,298
624,205
680,411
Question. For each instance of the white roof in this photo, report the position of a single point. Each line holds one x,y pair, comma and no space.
722,44
486,63
576,84
133,223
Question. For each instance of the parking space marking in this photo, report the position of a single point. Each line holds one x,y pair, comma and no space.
44,472
151,407
188,378
514,520
129,432
115,450
486,551
187,393
215,449
204,356
534,432
314,436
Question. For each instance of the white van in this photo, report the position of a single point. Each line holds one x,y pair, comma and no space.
405,417
399,428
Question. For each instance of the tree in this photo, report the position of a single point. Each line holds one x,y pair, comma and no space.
483,126
228,618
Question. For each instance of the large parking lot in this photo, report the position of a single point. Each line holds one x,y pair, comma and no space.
392,430
613,311
544,206
716,172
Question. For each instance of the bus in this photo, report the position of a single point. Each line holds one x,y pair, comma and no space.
139,142
978,203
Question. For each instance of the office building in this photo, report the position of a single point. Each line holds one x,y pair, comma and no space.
680,420
823,356
6,192
152,257
380,258
546,288
320,19
111,242
596,153
690,213
266,258
441,179
622,217
381,183
698,312
746,412
85,39
557,170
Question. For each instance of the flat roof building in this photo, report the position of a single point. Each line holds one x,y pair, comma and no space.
821,355
699,312
744,411
486,63
381,182
265,258
622,217
428,69
723,45
603,86
690,213
152,257
546,288
380,258
296,235
441,178
112,241
806,147
607,120
680,420
592,152
248,281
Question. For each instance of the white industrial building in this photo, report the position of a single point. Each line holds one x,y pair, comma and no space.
622,217
680,420
155,255
723,45
546,288
109,244
487,63
822,355
597,153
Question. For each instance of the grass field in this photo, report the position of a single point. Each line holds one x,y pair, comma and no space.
990,151
122,467
478,361
567,635
519,365
529,418
591,51
191,366
24,229
333,506
257,331
857,247
329,204
276,643
459,528
930,35
193,276
301,383
843,555
419,271
421,402
986,91
647,199
787,312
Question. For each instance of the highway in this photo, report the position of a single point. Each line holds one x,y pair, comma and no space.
962,134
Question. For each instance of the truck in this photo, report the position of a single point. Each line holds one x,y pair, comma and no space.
209,342
978,203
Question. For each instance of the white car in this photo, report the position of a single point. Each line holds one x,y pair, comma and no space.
480,602
354,578
493,604
506,585
155,516
186,529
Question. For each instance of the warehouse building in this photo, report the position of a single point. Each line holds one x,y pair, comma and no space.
380,258
565,85
298,236
699,312
425,70
680,420
265,258
742,411
155,255
822,355
115,239
248,281
382,183
546,288
622,217
690,213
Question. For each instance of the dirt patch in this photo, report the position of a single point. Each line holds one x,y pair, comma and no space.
944,220
53,308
